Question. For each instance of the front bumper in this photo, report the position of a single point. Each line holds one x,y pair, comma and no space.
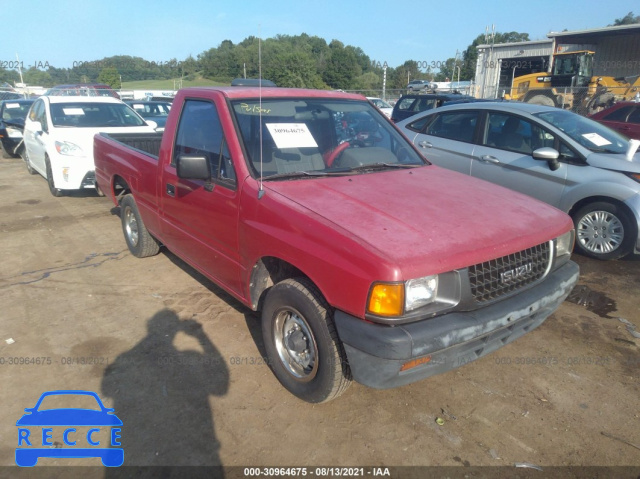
376,352
72,172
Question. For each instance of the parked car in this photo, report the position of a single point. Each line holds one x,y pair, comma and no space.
12,115
382,105
58,136
624,117
557,156
158,111
366,261
411,104
82,89
415,85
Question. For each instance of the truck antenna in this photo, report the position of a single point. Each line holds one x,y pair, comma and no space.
260,189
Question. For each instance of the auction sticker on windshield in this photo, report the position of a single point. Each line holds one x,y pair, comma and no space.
596,139
86,431
291,135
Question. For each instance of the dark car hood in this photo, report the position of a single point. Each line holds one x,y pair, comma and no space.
428,218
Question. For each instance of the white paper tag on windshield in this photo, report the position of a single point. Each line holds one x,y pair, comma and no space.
596,139
73,111
291,135
13,105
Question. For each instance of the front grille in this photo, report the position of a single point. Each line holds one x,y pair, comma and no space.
499,277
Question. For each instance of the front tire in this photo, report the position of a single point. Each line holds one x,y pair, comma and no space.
27,162
6,154
139,240
57,192
302,344
604,231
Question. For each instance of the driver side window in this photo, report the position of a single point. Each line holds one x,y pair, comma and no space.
200,134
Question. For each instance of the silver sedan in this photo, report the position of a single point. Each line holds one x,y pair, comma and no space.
564,159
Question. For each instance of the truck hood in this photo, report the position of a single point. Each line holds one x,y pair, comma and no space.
428,220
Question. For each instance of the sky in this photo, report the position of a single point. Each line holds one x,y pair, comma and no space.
64,33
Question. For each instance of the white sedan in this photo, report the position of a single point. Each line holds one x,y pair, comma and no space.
58,137
382,105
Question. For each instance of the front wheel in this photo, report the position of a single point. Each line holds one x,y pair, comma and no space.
302,344
27,162
139,240
52,185
604,231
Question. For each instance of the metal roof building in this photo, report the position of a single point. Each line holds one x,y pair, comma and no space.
617,53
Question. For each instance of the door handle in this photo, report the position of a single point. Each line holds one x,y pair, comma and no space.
489,159
171,189
425,144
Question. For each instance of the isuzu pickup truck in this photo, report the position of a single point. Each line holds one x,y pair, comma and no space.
367,262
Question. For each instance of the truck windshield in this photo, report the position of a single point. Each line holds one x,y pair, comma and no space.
319,135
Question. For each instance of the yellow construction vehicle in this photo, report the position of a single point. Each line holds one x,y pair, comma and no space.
571,85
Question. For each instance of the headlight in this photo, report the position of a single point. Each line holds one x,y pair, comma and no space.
396,299
564,245
68,148
13,133
420,292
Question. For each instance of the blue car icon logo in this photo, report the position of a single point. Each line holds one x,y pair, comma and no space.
69,432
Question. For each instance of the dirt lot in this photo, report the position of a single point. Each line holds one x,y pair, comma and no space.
181,363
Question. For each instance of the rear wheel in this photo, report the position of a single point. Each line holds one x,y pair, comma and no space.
52,186
302,344
604,231
139,240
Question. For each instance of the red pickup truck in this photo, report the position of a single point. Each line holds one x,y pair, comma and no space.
366,261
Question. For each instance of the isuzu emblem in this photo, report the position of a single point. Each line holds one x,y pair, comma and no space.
515,273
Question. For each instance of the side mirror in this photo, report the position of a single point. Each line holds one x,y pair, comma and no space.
550,155
37,126
193,167
152,124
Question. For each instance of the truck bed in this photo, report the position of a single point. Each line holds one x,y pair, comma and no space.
148,143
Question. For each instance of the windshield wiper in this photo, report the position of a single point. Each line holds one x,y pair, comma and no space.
295,174
381,166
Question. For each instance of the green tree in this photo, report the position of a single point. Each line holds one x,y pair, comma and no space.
404,74
9,76
110,76
628,19
34,76
342,67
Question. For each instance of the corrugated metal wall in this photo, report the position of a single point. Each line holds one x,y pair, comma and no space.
489,63
617,56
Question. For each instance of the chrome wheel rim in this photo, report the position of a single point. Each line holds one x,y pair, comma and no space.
600,232
296,345
131,226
